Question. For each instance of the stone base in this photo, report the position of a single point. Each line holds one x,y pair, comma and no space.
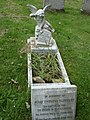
41,47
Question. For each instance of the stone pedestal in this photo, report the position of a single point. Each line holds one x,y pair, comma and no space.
51,101
55,4
86,6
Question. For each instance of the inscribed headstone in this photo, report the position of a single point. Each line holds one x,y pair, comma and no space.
53,103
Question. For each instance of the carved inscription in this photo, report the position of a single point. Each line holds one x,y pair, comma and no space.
54,105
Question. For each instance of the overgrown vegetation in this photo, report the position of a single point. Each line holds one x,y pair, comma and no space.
73,39
46,66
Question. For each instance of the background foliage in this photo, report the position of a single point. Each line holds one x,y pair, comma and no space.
73,39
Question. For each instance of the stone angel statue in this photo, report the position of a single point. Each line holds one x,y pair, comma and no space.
43,28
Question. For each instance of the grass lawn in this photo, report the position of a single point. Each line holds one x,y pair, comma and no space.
73,39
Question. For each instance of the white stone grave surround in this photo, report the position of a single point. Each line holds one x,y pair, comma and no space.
55,4
51,101
86,6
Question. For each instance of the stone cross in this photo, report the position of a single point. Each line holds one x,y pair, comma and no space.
43,28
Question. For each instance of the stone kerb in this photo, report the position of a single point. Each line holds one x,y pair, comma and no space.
55,4
51,101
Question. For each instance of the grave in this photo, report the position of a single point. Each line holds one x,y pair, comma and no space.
52,101
55,4
86,6
49,101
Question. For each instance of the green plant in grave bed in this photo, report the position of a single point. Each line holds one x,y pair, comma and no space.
46,67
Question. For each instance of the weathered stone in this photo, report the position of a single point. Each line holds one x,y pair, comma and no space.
34,47
58,80
55,4
86,6
53,102
38,80
44,38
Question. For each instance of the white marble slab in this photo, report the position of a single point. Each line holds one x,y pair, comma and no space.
57,102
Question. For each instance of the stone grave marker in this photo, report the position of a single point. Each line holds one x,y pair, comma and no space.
49,101
55,4
86,6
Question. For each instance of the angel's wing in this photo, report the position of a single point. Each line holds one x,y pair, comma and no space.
33,9
46,7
